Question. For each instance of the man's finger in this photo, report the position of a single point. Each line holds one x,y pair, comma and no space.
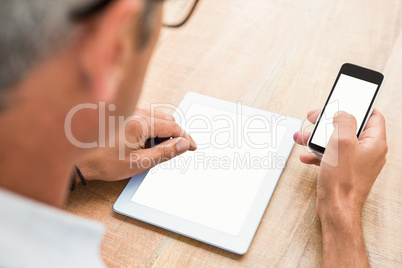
310,158
156,114
148,158
157,128
164,129
301,138
312,116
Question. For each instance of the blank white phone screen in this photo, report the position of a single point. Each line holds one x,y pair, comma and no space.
216,185
351,95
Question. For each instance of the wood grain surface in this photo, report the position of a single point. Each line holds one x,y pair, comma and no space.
281,56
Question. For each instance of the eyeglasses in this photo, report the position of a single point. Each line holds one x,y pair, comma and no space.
176,12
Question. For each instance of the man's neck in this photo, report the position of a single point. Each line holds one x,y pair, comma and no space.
36,159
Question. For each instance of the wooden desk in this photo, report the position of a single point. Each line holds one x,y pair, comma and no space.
281,56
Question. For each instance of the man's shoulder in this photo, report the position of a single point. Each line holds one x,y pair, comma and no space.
35,234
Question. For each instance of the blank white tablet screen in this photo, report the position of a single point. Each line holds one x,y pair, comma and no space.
216,185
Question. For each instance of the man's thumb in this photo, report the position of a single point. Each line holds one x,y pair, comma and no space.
182,146
172,148
148,158
345,121
345,126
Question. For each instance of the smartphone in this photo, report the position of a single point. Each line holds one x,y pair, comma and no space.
355,91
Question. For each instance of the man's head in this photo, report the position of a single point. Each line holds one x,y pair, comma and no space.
55,54
53,57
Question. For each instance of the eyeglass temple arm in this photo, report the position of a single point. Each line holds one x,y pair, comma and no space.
185,19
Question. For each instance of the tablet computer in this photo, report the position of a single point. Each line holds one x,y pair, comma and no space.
217,194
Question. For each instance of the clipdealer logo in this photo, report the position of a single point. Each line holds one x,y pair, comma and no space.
238,130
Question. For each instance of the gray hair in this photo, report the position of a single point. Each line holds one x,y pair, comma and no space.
32,29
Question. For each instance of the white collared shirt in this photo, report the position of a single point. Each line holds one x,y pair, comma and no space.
36,235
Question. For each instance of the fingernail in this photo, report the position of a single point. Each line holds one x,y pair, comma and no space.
295,136
193,143
182,146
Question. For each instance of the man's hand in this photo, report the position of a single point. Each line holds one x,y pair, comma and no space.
343,188
104,163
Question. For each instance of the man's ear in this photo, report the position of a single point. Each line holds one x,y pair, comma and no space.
107,44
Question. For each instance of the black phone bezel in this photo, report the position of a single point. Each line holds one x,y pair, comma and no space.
359,73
